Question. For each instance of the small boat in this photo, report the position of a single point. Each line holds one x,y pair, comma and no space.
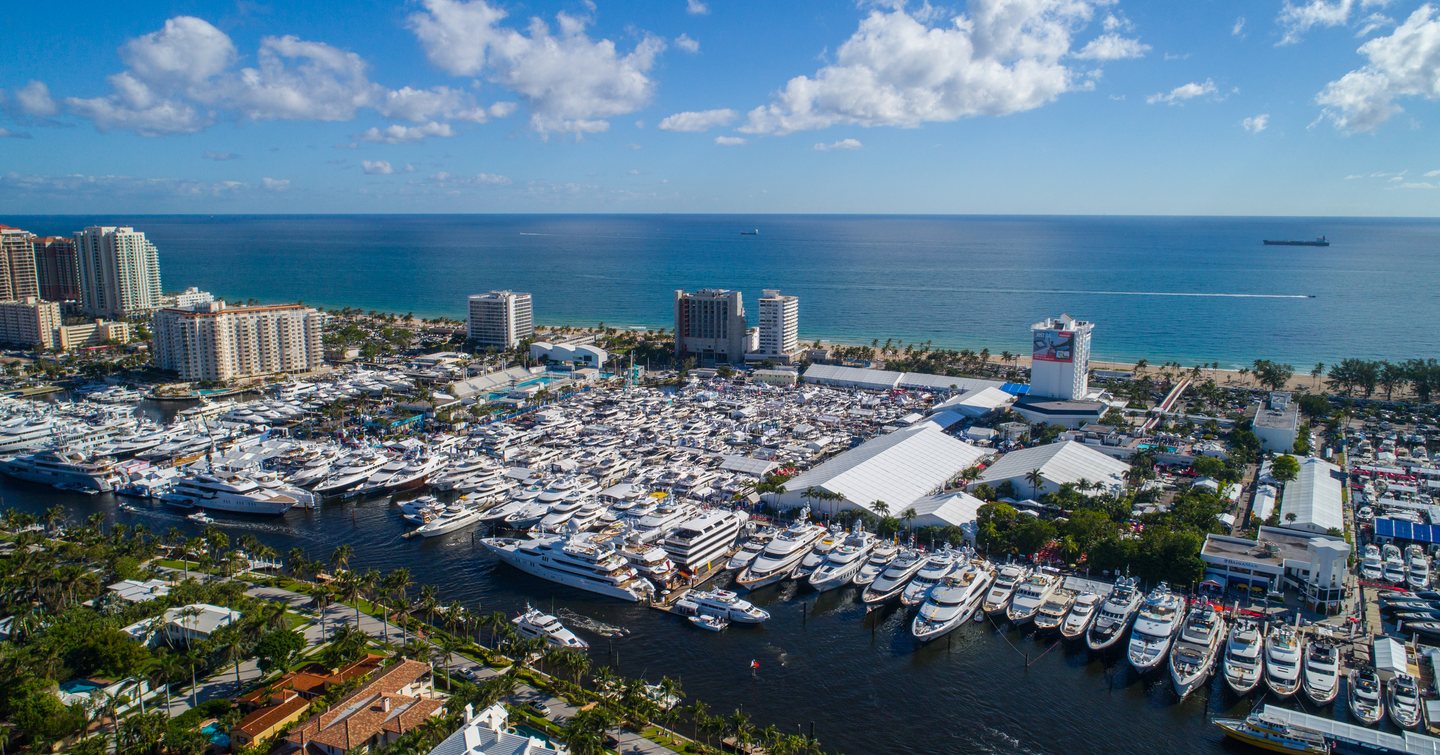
1317,241
536,624
127,508
1322,672
1275,736
710,622
1367,702
199,517
751,232
1404,701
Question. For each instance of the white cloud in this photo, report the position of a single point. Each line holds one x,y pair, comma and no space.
421,105
687,43
300,80
1256,123
377,167
703,120
1116,22
1418,185
897,69
1405,63
274,184
6,133
1113,47
187,50
1183,93
1432,174
571,82
729,141
397,133
843,144
34,100
1296,19
220,157
1373,23
479,179
107,187
1238,30
696,7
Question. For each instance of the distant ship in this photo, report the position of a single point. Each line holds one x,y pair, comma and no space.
1318,241
752,232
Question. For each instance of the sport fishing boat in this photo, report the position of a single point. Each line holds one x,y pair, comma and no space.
1403,701
1367,700
1244,661
1155,628
537,625
892,581
1321,678
844,562
579,561
1082,615
1115,615
1276,736
782,555
935,568
997,600
722,603
953,601
1029,596
1282,660
1196,648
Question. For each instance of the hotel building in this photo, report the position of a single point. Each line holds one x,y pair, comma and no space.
29,322
779,326
500,319
1060,361
57,268
217,343
710,326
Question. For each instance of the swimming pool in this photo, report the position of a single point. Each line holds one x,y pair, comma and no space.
524,730
217,736
80,687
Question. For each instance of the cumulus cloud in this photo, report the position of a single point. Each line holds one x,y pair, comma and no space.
904,69
219,156
274,184
696,7
1432,174
34,100
1113,47
1256,123
1402,64
729,141
1373,23
571,82
1183,93
702,120
687,43
844,144
6,133
478,179
377,167
397,133
1238,29
1296,19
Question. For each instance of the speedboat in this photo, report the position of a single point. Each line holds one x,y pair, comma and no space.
1115,615
1082,614
935,568
1053,611
880,558
1367,701
997,600
1321,678
953,601
199,517
844,562
1403,701
892,581
722,603
1196,647
1282,660
1155,628
1029,596
1244,662
710,622
538,625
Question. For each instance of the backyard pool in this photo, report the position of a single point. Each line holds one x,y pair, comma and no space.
80,686
217,736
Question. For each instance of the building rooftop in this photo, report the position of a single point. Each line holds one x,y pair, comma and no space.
1313,497
374,708
864,377
898,468
1059,463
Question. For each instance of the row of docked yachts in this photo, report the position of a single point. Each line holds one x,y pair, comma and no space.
1410,569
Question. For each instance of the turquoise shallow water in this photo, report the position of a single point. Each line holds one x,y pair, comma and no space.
1187,289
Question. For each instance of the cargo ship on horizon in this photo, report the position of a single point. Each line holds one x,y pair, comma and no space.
1317,241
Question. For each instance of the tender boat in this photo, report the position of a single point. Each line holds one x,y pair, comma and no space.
1244,662
536,624
1155,628
199,517
1367,700
1196,647
1115,615
1029,596
1082,614
896,575
1282,660
997,600
1403,701
953,601
710,622
1321,678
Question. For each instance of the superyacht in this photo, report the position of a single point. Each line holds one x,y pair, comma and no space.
67,470
1244,662
892,581
535,624
235,492
953,601
1115,615
782,555
703,542
844,562
1195,648
1155,629
578,561
997,601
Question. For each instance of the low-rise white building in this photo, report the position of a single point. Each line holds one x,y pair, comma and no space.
1276,422
184,624
1280,557
584,354
488,733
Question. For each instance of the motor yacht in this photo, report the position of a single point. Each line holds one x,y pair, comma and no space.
1282,660
880,558
1053,611
1367,700
413,475
749,550
1371,566
349,473
702,543
1082,615
1417,568
525,518
417,511
722,603
831,540
1244,661
235,492
897,574
537,625
650,561
1155,628
1259,731
844,562
1196,648
1321,677
1393,568
654,526
1402,701
997,600
1030,595
782,555
67,470
953,601
935,568
456,516
1115,615
579,561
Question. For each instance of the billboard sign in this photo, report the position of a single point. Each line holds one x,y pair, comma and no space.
1054,346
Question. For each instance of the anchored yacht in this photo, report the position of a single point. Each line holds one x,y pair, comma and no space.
892,581
1196,647
1154,628
578,561
722,603
880,558
782,555
1321,679
1054,610
454,517
1367,700
1115,615
1282,660
701,543
1244,662
1082,615
225,490
937,567
1403,701
953,601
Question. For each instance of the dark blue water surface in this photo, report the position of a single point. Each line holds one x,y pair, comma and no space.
1187,289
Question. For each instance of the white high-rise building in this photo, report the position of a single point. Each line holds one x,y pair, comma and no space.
710,326
213,342
119,272
1060,360
29,322
779,325
500,319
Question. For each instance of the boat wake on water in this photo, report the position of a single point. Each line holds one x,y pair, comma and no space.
593,626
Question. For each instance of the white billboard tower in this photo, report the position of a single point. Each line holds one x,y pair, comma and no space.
1060,361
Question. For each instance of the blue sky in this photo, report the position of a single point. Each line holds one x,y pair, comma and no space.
1286,107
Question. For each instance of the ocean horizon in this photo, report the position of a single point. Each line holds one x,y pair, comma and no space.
1193,289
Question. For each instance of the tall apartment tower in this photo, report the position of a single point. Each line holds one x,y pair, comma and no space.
119,272
57,268
213,342
1060,360
710,326
500,319
779,325
17,265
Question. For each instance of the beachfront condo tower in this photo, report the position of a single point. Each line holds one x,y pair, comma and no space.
1060,361
500,319
119,272
779,326
212,342
57,267
17,264
710,326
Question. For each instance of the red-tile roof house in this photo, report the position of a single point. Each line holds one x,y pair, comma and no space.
399,699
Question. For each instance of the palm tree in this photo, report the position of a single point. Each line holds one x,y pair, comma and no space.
881,509
1036,480
397,584
908,515
429,601
340,559
447,646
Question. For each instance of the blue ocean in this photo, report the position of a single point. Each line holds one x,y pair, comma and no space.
1194,290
